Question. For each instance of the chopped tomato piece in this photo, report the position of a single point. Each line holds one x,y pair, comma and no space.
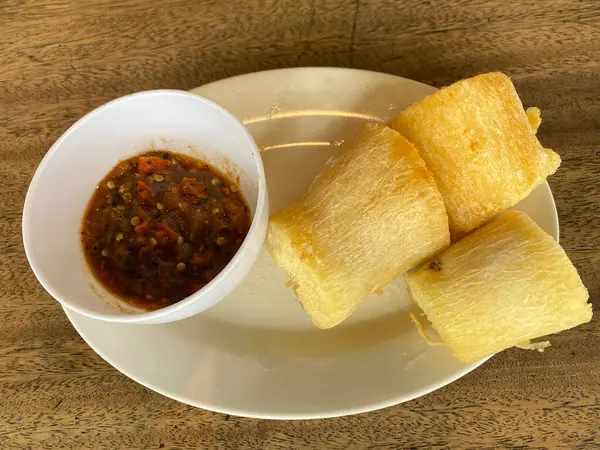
170,201
184,207
158,253
149,164
121,254
161,237
144,227
170,232
191,186
162,232
145,193
201,259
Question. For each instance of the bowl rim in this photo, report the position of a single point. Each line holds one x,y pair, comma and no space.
150,316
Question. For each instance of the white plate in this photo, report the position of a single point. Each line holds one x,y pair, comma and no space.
256,354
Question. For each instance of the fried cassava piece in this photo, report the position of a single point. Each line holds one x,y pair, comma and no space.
480,145
372,214
500,286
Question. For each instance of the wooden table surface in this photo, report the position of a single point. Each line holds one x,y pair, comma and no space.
60,59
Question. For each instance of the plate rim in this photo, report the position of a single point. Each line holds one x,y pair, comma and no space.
334,412
339,412
307,69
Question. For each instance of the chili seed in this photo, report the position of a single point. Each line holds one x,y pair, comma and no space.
215,181
135,221
124,188
119,237
149,297
104,252
153,242
221,241
181,267
180,240
173,161
160,206
120,207
111,184
233,188
127,197
158,178
216,211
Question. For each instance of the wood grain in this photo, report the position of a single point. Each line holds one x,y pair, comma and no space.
61,58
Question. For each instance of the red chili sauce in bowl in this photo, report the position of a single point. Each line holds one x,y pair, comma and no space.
160,226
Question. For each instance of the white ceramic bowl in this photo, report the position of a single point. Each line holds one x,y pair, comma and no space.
67,176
